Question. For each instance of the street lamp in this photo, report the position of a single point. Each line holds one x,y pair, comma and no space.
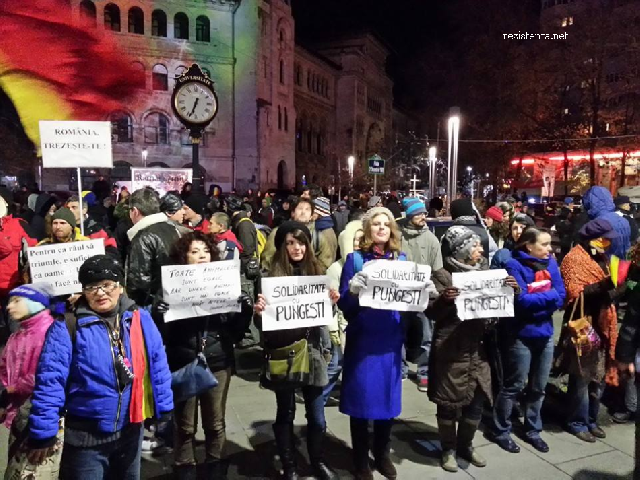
432,171
350,163
144,155
452,154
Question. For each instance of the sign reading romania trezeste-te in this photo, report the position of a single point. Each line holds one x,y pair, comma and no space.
75,144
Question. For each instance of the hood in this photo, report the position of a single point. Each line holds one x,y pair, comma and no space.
598,201
146,222
324,223
31,201
345,239
43,204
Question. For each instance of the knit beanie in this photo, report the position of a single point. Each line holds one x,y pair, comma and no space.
98,268
462,208
495,213
461,240
373,212
323,207
197,202
289,227
65,214
171,203
36,295
414,207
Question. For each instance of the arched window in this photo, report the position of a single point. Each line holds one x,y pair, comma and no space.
136,20
159,23
279,118
122,127
140,70
282,72
299,134
160,77
88,12
286,120
181,26
203,33
112,17
156,129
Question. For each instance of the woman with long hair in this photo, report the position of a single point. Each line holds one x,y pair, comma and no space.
214,336
294,256
517,224
372,368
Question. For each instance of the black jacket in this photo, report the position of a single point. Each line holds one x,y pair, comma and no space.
38,224
150,250
245,232
475,228
629,334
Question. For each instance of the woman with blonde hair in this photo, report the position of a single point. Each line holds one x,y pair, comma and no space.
372,370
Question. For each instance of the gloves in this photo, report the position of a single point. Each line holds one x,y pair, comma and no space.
357,283
246,303
159,305
431,289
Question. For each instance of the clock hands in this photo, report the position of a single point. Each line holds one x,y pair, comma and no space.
195,104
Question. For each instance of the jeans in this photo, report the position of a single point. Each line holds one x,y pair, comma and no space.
584,404
313,402
334,369
119,459
631,395
213,404
523,358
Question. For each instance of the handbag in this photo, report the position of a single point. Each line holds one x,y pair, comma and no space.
582,334
195,378
287,367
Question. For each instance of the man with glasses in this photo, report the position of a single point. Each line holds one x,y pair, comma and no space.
422,247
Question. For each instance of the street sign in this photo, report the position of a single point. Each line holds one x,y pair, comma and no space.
376,165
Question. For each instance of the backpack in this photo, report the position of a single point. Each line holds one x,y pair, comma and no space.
261,238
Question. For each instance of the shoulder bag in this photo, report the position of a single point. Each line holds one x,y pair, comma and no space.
582,334
287,367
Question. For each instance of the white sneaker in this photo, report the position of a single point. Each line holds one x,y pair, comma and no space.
150,444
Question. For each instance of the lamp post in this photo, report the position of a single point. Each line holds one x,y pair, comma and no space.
452,154
144,155
432,171
350,163
469,172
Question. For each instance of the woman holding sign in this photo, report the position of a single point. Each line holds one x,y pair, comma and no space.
461,374
372,371
294,257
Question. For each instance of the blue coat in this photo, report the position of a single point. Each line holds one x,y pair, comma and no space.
598,203
81,378
372,369
533,311
500,259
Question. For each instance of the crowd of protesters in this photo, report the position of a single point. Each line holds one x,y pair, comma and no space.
84,374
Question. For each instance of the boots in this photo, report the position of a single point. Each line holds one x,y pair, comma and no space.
360,445
286,450
447,432
382,448
466,431
184,472
217,470
315,440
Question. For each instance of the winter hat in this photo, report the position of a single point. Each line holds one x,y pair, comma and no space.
461,240
414,207
171,203
98,268
373,201
495,213
323,207
462,208
90,198
197,202
342,203
372,212
598,228
568,200
66,215
37,295
289,227
523,219
621,200
234,203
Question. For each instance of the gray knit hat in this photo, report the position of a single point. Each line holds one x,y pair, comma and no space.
461,240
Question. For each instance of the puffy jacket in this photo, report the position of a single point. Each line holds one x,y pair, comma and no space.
533,311
598,203
80,376
151,241
11,235
420,245
501,258
246,233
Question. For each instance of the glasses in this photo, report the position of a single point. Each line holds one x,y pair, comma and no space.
105,287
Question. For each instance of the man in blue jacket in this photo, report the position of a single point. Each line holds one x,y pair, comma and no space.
90,372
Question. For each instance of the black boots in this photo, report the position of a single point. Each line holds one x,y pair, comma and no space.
315,446
360,445
286,450
382,448
217,470
184,472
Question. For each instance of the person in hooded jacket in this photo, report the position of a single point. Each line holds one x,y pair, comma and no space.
340,217
38,223
463,213
527,341
625,210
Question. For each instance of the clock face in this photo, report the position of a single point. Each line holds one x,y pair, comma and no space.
196,103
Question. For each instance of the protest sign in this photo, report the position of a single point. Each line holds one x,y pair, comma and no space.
162,180
393,285
296,302
202,289
75,144
58,264
483,294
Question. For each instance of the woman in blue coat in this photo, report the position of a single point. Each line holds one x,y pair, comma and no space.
528,339
372,371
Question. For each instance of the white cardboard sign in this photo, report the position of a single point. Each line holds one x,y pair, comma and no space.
162,180
296,302
483,294
58,264
394,285
202,289
74,144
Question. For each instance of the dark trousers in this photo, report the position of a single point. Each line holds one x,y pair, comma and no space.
313,402
213,404
471,412
119,459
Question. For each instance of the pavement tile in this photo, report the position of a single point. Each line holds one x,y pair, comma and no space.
612,465
564,447
621,437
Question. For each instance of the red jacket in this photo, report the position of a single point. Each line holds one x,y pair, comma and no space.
203,226
228,236
11,235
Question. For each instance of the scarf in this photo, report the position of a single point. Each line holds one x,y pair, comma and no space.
142,402
453,265
579,270
539,268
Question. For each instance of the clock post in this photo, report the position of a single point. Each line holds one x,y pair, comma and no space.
195,103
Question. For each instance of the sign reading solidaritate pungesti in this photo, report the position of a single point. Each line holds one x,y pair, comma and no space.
483,294
393,285
202,289
296,302
58,264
